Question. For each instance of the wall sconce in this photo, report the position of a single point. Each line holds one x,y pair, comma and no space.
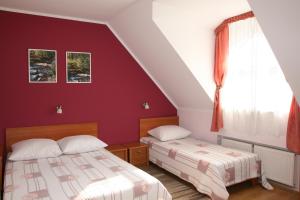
146,105
59,109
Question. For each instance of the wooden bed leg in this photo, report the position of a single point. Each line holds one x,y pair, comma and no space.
254,181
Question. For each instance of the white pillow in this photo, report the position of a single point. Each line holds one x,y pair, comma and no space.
80,144
169,132
34,149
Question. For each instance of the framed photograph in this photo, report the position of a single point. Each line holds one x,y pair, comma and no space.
42,66
78,67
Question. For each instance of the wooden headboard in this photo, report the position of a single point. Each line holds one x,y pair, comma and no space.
54,132
150,123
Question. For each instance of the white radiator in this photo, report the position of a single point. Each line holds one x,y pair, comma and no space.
237,145
277,164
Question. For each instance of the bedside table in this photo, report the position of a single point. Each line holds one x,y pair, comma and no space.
138,154
118,150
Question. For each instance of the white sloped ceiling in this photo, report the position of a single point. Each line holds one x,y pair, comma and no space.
280,22
135,27
87,10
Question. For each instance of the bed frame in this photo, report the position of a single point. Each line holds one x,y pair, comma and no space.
147,124
54,132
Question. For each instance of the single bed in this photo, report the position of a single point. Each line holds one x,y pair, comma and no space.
210,168
92,175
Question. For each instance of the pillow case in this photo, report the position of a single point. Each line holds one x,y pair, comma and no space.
80,144
169,132
34,149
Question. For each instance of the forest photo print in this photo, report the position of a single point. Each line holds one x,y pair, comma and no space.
78,67
42,66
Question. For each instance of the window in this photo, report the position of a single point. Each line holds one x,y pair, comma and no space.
256,97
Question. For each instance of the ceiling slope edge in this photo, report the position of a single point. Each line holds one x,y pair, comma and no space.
141,64
52,15
137,31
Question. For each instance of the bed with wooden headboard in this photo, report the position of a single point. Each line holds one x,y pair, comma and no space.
54,132
175,156
88,172
147,124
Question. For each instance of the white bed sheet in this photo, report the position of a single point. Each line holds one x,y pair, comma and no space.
210,168
93,175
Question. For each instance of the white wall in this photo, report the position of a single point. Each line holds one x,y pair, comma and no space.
198,121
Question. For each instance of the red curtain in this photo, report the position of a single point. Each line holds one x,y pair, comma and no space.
293,129
221,54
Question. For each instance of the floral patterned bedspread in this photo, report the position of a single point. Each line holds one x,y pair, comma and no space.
93,175
210,168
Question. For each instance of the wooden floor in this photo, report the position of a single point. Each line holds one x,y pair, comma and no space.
247,191
181,190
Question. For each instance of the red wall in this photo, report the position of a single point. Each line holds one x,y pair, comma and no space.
113,99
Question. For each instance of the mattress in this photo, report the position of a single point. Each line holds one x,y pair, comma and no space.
93,175
210,168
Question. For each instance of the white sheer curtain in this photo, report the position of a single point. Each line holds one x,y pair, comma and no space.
255,98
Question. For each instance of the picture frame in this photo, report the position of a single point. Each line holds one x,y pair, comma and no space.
42,66
78,67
